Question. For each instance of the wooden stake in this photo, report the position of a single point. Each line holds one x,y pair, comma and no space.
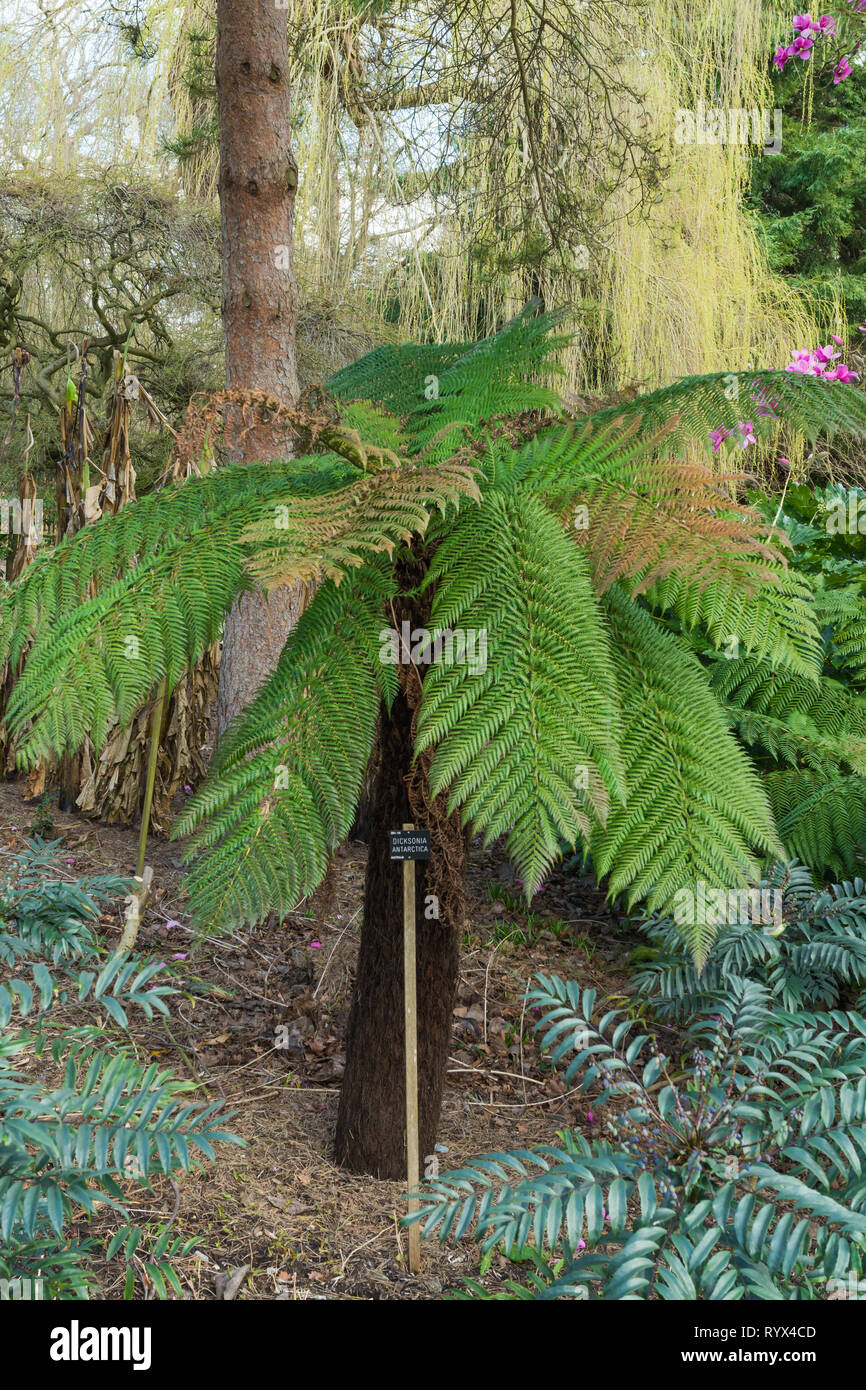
152,758
410,1016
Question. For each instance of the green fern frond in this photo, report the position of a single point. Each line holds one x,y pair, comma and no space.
528,745
500,376
380,428
844,610
801,746
777,623
100,662
162,524
703,403
826,705
285,780
396,377
695,809
821,818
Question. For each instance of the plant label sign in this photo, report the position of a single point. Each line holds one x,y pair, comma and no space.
410,844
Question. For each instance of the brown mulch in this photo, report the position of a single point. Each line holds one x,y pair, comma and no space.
305,1227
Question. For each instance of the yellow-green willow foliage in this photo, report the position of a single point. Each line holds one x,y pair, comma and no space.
688,289
74,97
405,231
683,287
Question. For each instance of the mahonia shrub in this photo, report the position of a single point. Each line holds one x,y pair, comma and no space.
104,1119
731,1170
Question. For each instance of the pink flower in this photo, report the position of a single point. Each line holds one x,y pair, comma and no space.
747,431
590,1117
841,70
581,1245
835,339
316,945
780,57
181,955
718,437
802,22
826,24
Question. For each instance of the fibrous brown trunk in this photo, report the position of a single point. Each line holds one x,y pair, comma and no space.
371,1121
257,182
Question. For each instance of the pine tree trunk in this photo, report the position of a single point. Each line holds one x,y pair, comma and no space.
257,182
371,1122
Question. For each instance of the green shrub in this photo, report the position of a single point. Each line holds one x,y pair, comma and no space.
809,954
735,1171
108,1119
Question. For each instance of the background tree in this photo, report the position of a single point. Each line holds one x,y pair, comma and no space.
811,201
257,182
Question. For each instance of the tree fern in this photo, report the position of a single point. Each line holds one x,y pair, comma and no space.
528,746
588,716
695,809
286,777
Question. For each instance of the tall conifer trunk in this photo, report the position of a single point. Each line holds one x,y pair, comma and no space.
257,182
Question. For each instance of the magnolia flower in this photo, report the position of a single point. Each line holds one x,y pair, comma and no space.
841,70
841,373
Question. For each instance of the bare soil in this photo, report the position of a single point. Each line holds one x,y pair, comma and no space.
280,1205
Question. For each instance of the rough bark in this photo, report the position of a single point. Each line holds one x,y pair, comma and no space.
371,1128
257,182
371,1121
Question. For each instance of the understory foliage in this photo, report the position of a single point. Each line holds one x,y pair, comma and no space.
604,572
734,1170
83,1118
806,945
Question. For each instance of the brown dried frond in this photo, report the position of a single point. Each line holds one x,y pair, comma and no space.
676,516
320,537
206,415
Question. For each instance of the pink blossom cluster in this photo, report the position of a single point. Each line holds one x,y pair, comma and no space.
820,362
806,31
745,434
